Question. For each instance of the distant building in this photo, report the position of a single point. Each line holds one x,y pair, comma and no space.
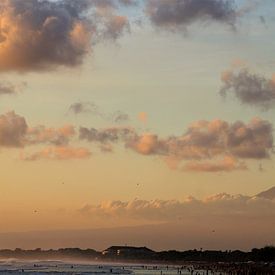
127,251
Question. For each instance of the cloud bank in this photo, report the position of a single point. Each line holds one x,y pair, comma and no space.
220,205
206,146
225,145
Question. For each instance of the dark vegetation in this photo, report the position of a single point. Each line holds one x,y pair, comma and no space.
128,253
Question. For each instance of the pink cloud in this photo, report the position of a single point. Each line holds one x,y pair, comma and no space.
59,153
228,164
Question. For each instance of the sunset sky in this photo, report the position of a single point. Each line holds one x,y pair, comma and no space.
122,113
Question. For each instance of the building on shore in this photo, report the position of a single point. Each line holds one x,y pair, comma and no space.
127,251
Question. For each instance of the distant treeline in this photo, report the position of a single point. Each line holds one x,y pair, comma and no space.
266,254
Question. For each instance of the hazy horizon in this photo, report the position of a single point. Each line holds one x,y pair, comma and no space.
197,230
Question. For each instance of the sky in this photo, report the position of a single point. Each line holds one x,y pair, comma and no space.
118,113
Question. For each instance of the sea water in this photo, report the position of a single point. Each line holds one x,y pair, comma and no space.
59,267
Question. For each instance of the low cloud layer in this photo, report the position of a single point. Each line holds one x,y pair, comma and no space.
179,14
249,89
220,205
36,35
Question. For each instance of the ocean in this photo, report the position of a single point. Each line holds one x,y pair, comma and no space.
13,266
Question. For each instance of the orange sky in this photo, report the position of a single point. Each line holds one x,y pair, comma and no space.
117,115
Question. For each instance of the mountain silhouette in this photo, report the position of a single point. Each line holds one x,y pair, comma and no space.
268,194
